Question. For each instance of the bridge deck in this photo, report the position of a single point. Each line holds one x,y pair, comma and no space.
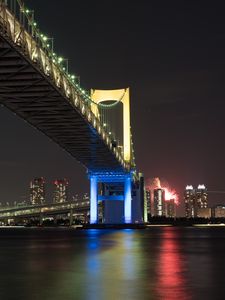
31,92
45,209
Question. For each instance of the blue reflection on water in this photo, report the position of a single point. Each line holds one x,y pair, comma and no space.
160,263
92,245
112,262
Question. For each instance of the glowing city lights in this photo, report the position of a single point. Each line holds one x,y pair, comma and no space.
189,187
201,187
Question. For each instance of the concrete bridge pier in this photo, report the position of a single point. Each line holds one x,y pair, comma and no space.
118,188
93,199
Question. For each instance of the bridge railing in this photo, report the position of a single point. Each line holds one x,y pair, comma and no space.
17,25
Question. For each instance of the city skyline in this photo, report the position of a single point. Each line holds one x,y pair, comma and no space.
173,109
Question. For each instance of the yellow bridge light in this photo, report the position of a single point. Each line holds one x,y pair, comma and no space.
60,59
99,96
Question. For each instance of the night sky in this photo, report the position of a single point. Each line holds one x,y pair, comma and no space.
170,54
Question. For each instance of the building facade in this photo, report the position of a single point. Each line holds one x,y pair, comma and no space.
205,213
218,211
37,191
201,197
195,200
148,203
60,193
189,201
170,208
159,202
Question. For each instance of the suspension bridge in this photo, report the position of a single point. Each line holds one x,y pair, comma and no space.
35,83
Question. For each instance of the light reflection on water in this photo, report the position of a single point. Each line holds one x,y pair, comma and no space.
158,263
171,271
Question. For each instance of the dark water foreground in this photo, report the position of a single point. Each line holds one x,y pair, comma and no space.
156,263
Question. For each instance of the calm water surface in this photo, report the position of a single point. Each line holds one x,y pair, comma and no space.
156,263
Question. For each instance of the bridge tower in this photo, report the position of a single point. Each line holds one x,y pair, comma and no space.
52,100
113,179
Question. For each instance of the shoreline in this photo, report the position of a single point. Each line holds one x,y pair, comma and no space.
116,226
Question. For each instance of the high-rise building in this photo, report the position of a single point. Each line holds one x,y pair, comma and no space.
148,201
195,200
60,191
159,202
37,191
170,207
189,200
201,196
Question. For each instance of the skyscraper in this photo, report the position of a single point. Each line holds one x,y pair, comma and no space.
189,200
195,200
60,191
170,208
148,200
201,196
159,202
37,191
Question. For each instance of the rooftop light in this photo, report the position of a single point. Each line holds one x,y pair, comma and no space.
189,187
201,187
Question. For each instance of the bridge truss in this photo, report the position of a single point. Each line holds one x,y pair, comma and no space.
36,85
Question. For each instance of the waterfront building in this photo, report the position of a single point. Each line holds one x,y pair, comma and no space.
159,202
218,211
201,196
60,191
195,200
204,213
189,201
170,207
37,191
148,203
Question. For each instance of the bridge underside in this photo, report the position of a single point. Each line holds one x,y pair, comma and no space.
25,90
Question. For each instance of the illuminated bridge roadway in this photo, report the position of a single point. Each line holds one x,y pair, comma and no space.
35,84
72,209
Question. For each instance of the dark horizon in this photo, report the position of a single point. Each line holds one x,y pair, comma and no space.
171,55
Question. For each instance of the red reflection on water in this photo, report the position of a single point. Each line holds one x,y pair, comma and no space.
171,281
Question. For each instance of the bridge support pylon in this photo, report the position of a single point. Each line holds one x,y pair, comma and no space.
110,187
127,200
93,199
